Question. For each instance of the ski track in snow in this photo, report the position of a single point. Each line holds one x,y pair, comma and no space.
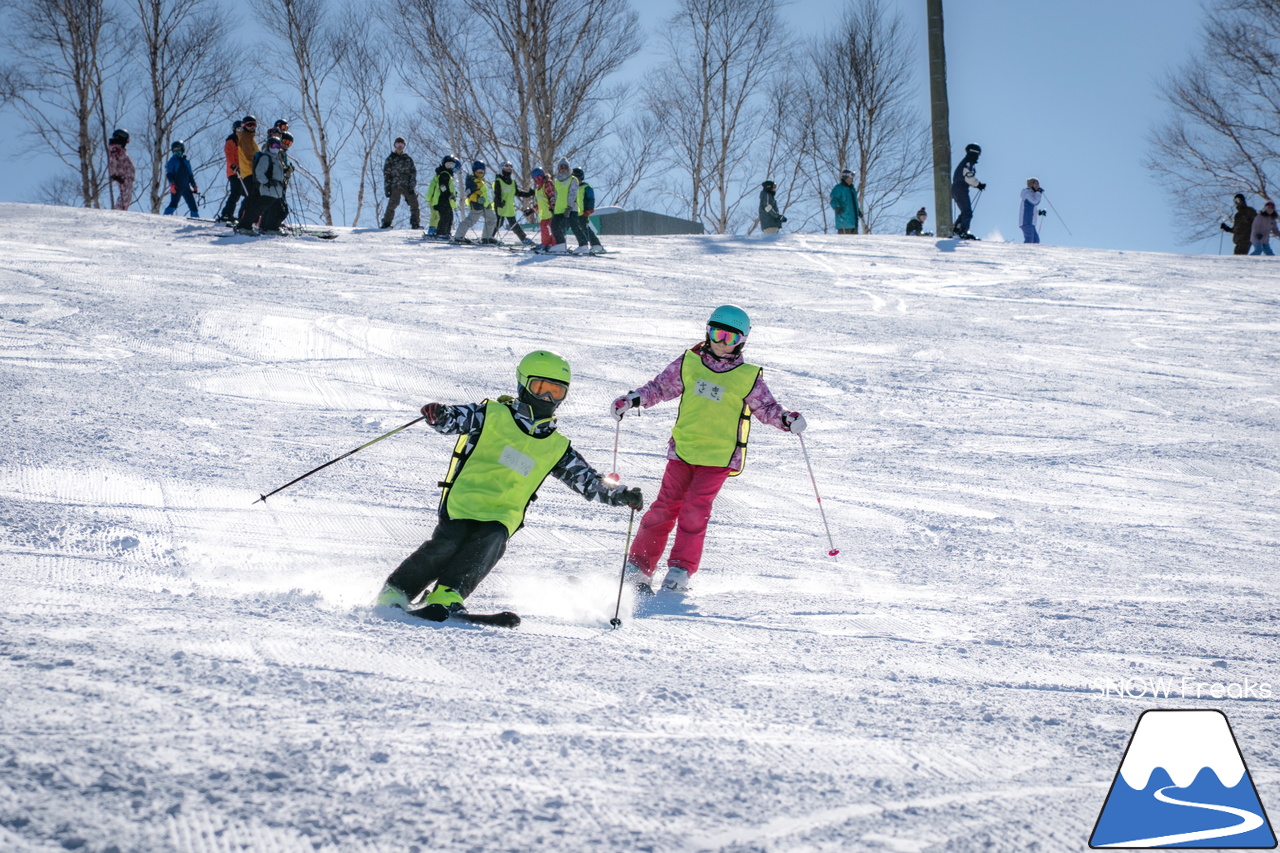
1042,467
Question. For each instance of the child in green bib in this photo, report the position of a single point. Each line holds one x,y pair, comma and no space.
719,393
505,449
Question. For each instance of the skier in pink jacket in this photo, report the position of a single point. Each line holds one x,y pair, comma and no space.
120,168
718,393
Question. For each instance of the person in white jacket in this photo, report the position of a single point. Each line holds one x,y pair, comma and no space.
1028,211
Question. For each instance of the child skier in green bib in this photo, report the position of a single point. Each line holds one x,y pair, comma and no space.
505,450
718,393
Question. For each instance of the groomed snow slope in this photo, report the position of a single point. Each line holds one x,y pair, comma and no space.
1045,469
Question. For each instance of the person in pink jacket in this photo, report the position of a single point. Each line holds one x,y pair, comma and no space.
120,168
719,392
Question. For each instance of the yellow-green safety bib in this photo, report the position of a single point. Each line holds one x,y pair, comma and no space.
502,474
714,418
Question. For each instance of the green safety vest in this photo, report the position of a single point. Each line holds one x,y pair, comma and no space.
433,191
501,475
544,206
562,194
582,197
508,207
714,418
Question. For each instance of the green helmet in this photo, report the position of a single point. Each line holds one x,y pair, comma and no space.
546,365
731,317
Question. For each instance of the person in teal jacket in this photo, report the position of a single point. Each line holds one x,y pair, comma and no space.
844,199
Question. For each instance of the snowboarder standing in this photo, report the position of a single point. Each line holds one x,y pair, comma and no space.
182,181
844,199
442,199
965,176
771,218
479,200
505,449
400,181
120,168
1028,211
718,393
1264,225
505,195
1241,226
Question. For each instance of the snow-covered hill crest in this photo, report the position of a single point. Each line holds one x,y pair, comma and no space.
1050,472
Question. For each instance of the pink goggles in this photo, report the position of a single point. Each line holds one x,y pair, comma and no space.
725,336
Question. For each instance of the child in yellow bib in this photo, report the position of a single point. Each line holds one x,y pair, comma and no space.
505,449
719,393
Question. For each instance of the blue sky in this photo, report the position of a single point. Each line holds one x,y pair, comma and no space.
1067,92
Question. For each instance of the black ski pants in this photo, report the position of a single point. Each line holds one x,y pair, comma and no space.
960,195
510,223
460,553
235,192
444,227
558,223
581,226
393,201
252,207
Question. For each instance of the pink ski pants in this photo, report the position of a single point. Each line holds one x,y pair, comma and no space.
685,500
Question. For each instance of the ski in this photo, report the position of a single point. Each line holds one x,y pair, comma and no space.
439,613
308,231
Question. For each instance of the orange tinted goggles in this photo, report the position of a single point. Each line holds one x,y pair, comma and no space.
548,389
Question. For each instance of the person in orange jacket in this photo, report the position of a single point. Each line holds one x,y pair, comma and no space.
236,189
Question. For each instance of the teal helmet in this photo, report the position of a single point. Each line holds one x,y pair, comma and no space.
730,317
541,364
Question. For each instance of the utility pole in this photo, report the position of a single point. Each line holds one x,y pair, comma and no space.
941,121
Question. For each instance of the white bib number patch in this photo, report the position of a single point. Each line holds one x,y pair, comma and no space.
710,390
516,461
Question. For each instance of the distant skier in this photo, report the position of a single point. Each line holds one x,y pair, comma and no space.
718,393
1028,211
915,225
236,189
964,177
247,143
543,197
182,181
269,171
1264,225
771,218
400,181
564,204
506,194
587,238
120,168
479,201
1241,226
442,199
844,200
505,450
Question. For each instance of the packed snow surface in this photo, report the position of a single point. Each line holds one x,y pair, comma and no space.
1052,475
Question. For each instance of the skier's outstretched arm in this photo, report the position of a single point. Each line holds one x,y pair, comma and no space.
576,473
454,420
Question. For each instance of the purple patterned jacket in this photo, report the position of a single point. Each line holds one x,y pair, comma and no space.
668,385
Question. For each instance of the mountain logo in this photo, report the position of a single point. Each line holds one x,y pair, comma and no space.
1182,783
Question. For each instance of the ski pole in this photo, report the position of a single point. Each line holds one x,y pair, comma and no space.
615,622
834,551
263,498
1056,213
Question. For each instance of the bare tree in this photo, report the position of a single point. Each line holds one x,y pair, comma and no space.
181,48
720,56
314,52
864,117
66,52
789,154
1223,134
364,75
529,79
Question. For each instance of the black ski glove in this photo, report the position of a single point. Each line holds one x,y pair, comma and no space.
782,219
630,497
433,412
1225,227
981,187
